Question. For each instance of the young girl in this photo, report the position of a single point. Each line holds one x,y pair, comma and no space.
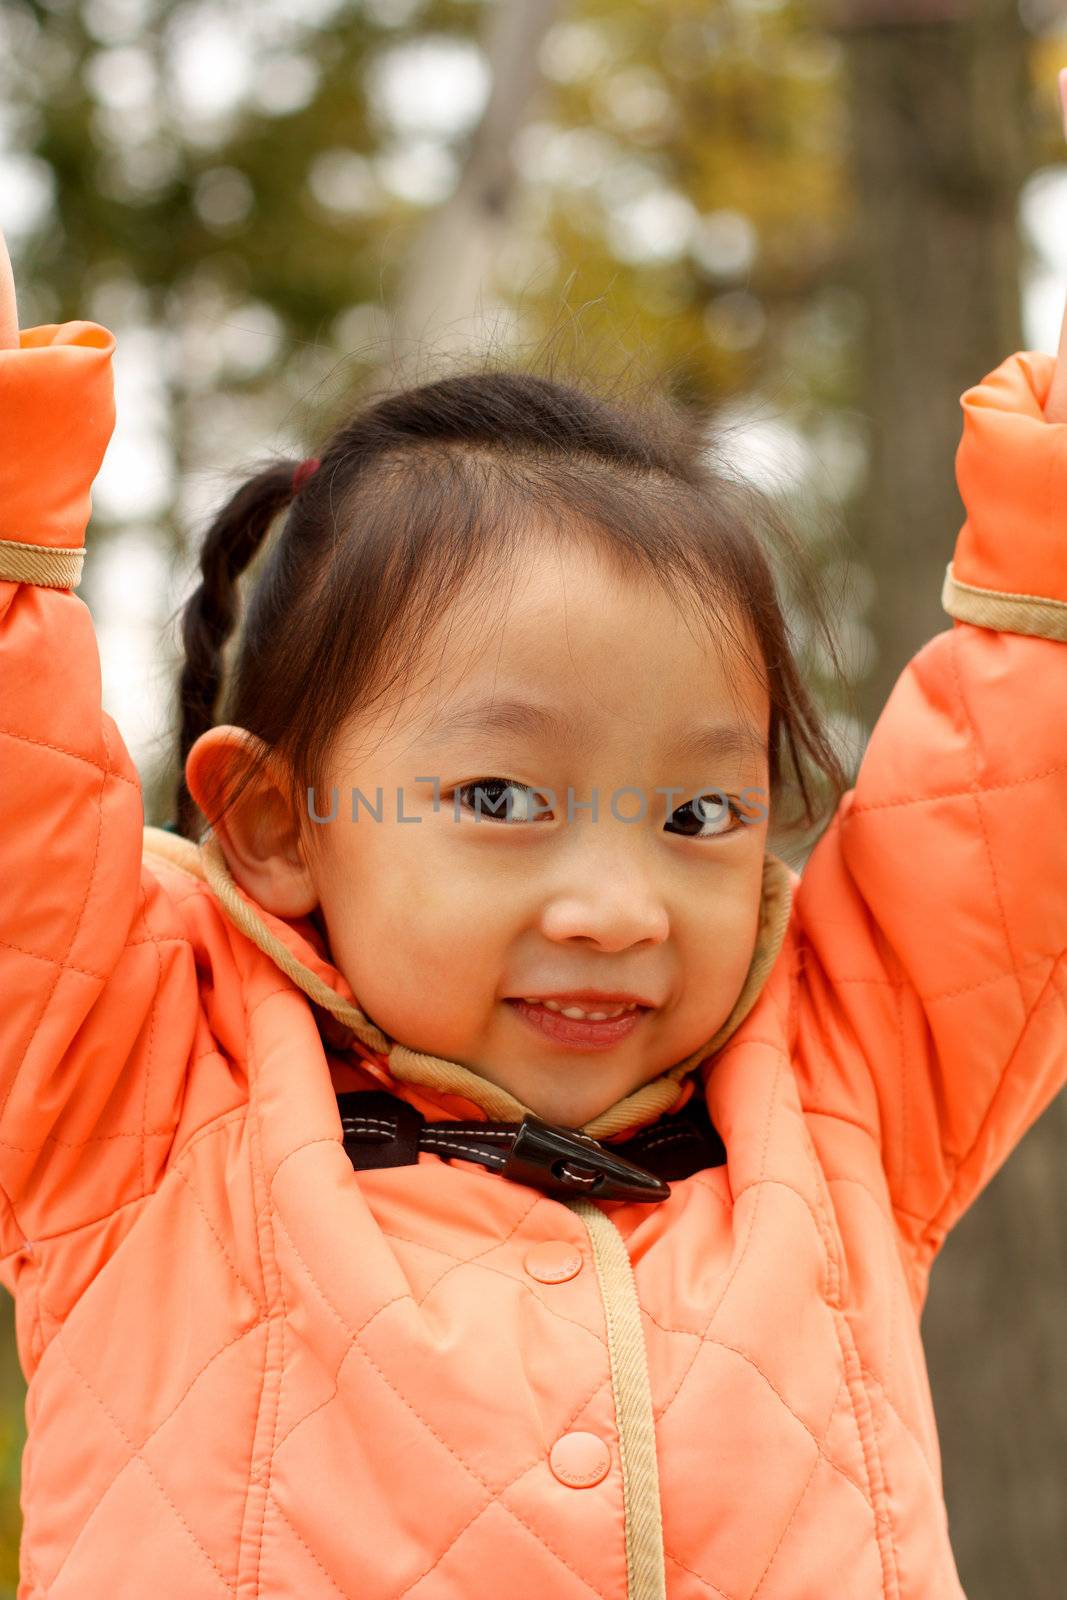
476,1163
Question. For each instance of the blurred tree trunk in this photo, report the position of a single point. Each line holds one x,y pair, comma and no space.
939,100
447,278
937,114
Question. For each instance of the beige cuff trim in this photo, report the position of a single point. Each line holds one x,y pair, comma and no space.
45,564
996,608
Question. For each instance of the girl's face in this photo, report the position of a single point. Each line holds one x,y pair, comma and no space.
592,687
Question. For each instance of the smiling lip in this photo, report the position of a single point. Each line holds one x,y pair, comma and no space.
593,997
578,1033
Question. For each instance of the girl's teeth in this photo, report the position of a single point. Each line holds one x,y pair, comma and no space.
576,1012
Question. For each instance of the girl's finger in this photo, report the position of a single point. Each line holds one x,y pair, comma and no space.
9,317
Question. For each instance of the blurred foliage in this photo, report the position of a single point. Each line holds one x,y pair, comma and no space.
678,108
248,180
683,178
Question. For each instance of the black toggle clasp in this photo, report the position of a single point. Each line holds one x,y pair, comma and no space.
562,1162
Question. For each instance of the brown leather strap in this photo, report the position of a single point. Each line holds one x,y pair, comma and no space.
382,1130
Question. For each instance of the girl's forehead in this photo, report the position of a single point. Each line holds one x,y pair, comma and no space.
566,643
567,610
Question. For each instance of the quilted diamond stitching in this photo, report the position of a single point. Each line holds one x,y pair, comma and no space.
721,1344
277,1506
47,998
883,1383
888,1407
712,1588
252,1294
936,1222
211,1359
858,808
881,1519
498,1272
104,1138
800,1498
214,1126
750,1229
136,1455
203,1133
153,1017
50,961
74,755
495,1500
860,1401
783,1183
357,1343
495,1495
81,1144
984,983
475,1260
271,1266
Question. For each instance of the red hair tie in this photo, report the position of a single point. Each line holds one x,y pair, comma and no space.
304,471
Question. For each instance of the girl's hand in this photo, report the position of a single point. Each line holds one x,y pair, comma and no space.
9,318
1056,404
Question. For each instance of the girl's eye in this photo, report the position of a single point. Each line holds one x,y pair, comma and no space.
707,817
507,800
501,800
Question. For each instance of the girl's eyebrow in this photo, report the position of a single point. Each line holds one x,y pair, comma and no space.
718,741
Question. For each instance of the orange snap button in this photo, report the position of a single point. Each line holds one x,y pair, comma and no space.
580,1459
553,1261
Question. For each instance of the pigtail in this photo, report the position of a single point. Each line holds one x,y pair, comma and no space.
209,615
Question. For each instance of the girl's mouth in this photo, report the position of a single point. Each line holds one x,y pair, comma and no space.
581,1033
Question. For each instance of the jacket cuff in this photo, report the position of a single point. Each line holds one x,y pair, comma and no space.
57,414
995,608
1009,570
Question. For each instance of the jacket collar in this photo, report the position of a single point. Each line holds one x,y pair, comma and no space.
297,949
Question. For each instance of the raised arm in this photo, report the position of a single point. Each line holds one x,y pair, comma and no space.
90,1044
932,915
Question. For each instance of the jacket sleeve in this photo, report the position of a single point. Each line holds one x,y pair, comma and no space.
932,915
98,1005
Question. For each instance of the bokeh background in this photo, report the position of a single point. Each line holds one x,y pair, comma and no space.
821,222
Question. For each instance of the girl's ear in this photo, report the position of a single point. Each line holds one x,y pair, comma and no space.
259,836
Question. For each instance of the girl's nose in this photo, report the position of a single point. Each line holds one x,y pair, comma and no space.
612,903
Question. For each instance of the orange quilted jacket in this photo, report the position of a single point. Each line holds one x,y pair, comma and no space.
256,1371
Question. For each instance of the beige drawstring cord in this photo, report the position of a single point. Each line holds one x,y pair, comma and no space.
632,1391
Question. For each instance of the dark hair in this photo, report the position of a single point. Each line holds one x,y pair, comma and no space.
427,490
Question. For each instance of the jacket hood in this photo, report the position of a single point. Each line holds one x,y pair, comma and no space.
296,947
